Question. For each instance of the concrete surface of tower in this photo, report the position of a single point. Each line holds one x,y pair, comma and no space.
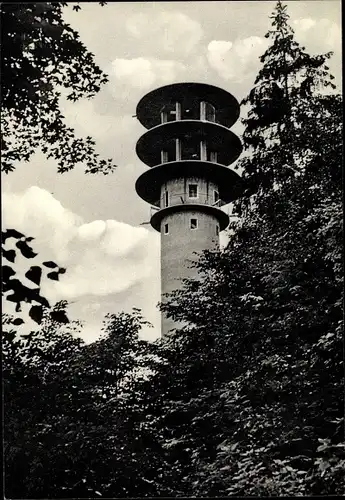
187,145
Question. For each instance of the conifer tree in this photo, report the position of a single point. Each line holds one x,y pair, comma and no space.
285,98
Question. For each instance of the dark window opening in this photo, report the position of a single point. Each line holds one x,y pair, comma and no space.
190,148
166,198
166,228
216,196
169,152
193,190
191,112
194,223
170,112
164,156
217,230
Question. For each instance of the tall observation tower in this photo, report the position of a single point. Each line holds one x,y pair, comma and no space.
187,145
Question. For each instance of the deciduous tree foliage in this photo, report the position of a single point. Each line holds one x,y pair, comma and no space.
41,55
74,423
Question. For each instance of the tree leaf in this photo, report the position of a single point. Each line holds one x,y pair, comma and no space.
50,264
9,255
34,274
11,233
26,251
36,314
18,321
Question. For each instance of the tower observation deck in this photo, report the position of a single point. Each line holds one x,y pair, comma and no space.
188,146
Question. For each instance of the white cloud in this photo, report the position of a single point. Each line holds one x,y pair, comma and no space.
144,73
236,60
102,257
171,31
318,35
304,24
92,231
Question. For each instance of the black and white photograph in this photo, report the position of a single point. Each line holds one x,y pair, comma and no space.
172,249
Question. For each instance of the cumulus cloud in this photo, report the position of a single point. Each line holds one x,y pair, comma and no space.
171,31
308,32
236,60
102,257
85,117
143,73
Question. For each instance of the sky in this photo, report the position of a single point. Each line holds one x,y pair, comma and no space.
93,224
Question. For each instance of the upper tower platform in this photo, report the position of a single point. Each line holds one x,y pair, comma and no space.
162,101
188,137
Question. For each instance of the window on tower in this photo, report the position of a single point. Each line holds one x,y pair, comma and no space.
171,112
190,148
215,196
166,199
166,228
194,223
190,111
169,152
193,190
217,230
164,156
207,112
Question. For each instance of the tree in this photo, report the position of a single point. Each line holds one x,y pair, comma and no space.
285,103
41,54
256,379
30,361
83,433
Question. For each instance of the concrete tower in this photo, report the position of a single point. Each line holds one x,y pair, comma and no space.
188,145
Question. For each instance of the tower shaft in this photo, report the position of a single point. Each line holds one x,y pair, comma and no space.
180,247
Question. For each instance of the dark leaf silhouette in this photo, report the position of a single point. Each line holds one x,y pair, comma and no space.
9,255
18,321
36,313
7,272
38,298
20,291
53,276
26,251
34,274
59,316
50,264
11,233
62,270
